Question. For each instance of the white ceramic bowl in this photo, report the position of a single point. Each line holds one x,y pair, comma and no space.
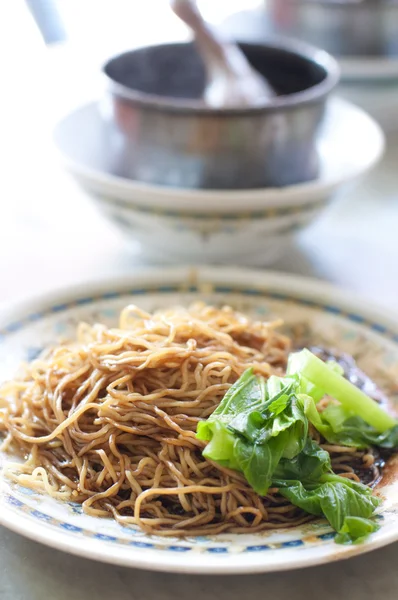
237,226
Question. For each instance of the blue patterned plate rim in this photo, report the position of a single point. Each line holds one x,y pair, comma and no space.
260,556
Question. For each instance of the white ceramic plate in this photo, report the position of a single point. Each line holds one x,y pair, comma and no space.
350,143
327,315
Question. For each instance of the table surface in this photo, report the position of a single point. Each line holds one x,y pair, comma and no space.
51,236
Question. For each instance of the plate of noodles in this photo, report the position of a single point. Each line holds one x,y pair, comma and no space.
200,420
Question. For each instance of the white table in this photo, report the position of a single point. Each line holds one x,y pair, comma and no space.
51,236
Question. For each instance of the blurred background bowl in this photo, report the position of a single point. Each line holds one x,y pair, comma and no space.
169,137
246,226
361,34
343,27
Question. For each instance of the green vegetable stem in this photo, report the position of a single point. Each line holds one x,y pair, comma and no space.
311,368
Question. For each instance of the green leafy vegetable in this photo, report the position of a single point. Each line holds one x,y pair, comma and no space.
307,482
309,465
261,428
258,461
355,530
221,445
320,375
334,497
341,427
255,425
247,392
344,423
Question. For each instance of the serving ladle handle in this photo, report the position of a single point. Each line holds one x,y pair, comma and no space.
231,81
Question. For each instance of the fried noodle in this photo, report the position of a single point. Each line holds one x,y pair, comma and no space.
109,421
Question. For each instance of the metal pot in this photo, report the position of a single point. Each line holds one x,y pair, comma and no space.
167,135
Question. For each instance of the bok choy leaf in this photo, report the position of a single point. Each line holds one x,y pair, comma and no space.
261,428
251,430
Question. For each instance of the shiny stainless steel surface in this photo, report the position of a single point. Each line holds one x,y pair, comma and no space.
169,139
342,27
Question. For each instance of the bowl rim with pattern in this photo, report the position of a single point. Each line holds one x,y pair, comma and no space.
63,527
